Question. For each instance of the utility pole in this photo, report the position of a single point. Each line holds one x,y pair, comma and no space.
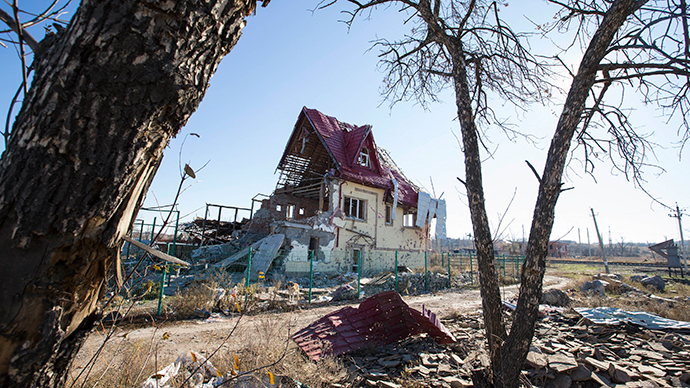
601,243
589,246
678,215
610,243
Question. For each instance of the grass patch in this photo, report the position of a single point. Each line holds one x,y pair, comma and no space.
674,302
259,341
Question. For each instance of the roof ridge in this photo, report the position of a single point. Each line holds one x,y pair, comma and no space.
387,161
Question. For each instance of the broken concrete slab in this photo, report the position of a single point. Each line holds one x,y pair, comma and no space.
654,281
562,362
237,256
379,320
555,297
267,251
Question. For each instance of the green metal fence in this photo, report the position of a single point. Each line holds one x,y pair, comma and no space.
457,267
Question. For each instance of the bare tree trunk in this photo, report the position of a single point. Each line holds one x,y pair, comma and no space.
518,342
488,274
108,93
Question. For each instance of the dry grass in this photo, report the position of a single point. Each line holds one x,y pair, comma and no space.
268,343
124,365
260,343
676,306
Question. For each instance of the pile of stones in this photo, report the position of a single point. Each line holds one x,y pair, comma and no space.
567,351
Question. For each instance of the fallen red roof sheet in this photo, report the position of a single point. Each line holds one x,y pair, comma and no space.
379,320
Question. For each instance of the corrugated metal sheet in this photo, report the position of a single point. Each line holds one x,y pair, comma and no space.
379,320
423,202
441,218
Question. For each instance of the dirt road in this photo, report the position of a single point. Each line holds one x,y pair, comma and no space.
204,336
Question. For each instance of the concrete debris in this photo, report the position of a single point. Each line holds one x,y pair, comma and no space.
211,252
566,351
200,373
655,282
379,320
609,276
596,287
555,297
265,254
345,292
191,365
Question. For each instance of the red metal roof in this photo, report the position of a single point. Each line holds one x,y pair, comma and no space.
344,142
379,320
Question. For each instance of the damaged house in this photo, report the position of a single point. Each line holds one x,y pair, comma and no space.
340,198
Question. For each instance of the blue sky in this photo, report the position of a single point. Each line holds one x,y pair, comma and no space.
289,57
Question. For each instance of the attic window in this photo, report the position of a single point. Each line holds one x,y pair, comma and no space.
364,157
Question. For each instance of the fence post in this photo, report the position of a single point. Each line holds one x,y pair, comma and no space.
160,293
426,272
450,282
311,272
442,262
471,269
153,231
504,265
246,283
396,271
359,270
174,249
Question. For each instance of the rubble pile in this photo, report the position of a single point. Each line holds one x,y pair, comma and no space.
410,283
567,351
212,253
421,359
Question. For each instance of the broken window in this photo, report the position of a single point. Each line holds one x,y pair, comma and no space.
301,211
389,212
290,212
409,220
356,259
279,208
355,208
364,157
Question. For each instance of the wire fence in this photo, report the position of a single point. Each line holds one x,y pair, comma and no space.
402,272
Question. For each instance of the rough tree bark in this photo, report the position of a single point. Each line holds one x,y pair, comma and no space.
488,274
518,341
107,95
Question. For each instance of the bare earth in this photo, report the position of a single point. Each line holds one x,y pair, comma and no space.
169,341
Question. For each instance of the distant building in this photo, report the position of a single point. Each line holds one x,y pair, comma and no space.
558,249
340,197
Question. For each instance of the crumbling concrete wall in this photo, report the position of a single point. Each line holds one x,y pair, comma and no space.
340,236
303,207
301,238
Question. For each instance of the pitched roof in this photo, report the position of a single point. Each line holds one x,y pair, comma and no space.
343,142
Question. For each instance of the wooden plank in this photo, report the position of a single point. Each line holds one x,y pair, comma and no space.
155,252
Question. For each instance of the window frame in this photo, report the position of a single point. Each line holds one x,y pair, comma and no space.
407,217
364,159
360,208
389,214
